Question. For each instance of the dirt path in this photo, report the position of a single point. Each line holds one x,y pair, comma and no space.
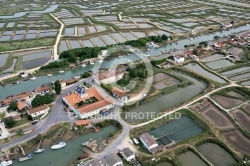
55,53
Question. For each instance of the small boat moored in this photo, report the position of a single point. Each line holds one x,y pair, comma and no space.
77,77
30,156
39,151
49,75
83,65
61,71
6,163
33,78
59,145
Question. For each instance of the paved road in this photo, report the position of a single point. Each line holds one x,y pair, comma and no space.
56,116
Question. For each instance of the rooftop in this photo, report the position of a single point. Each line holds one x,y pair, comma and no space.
20,105
118,92
112,159
37,109
148,139
42,89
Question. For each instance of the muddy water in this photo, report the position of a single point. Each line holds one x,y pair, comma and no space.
66,155
167,101
216,154
190,158
198,69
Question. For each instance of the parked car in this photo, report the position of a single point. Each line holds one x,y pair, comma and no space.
34,122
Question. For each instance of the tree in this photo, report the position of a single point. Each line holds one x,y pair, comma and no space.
12,106
29,117
10,122
41,100
58,87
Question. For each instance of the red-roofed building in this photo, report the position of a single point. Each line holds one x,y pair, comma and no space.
16,118
36,111
82,123
119,94
42,90
20,105
87,109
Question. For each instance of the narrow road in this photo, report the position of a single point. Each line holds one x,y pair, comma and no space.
55,53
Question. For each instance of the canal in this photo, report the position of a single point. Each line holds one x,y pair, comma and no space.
31,85
166,101
68,154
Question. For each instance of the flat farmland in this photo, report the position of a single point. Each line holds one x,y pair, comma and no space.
217,117
226,102
242,118
246,107
162,80
238,141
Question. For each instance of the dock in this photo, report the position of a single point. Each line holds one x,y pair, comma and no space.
40,143
22,150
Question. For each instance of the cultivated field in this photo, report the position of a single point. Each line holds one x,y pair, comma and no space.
217,117
238,141
226,102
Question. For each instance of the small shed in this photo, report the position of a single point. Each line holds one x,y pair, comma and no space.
82,123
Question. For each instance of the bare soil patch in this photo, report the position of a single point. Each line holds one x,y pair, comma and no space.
235,51
238,141
246,107
162,80
216,117
226,102
242,118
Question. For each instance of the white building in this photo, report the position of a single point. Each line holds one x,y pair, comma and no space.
128,154
113,160
148,141
36,111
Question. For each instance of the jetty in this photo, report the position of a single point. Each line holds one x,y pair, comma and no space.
39,143
23,152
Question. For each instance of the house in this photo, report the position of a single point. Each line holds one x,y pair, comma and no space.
63,83
113,160
42,90
36,111
21,105
109,77
148,141
82,123
127,154
6,102
219,44
16,118
98,162
71,81
95,102
23,96
119,94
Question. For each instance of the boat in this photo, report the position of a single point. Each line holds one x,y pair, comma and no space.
33,78
28,157
135,141
77,77
61,71
17,82
92,63
100,61
59,145
83,65
6,163
49,75
129,61
39,151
